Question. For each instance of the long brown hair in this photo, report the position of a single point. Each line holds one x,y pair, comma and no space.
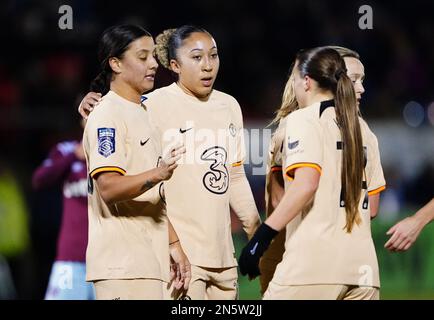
327,68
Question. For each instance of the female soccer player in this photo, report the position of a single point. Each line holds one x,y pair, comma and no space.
274,188
66,164
211,178
274,185
129,233
328,155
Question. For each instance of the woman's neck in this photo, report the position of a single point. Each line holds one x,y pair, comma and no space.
190,93
319,97
125,91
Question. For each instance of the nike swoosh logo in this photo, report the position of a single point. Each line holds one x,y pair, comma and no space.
184,131
293,145
143,143
253,251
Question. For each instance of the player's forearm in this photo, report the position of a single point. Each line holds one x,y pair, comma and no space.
173,236
114,187
374,203
301,190
48,175
242,201
426,214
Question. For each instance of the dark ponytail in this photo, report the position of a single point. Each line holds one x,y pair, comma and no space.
101,83
327,67
114,42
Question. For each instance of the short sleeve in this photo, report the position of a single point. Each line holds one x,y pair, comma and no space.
302,145
105,143
374,172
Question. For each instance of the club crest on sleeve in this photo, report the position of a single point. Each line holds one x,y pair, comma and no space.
232,130
293,145
106,141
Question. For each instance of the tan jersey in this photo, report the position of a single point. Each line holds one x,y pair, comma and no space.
197,195
127,240
274,161
319,250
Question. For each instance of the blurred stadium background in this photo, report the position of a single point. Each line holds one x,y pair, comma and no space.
44,71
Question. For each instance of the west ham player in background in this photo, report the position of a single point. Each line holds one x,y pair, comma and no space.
66,165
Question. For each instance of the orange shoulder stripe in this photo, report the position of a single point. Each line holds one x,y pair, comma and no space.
300,165
107,169
376,191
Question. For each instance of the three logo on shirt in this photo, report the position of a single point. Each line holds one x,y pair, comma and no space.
216,180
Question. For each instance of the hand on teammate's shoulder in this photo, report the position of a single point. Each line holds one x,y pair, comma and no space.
89,102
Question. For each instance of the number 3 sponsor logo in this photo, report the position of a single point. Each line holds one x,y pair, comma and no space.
216,180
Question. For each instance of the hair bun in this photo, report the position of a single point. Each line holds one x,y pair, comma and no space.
162,47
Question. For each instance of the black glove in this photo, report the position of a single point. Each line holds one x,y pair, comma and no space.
253,251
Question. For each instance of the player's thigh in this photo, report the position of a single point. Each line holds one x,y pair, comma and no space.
362,293
129,289
310,292
223,284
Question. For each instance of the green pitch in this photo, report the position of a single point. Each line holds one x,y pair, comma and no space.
408,275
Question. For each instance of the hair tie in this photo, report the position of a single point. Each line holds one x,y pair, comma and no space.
339,73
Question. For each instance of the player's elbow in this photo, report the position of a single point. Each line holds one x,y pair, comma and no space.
107,194
107,197
107,188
